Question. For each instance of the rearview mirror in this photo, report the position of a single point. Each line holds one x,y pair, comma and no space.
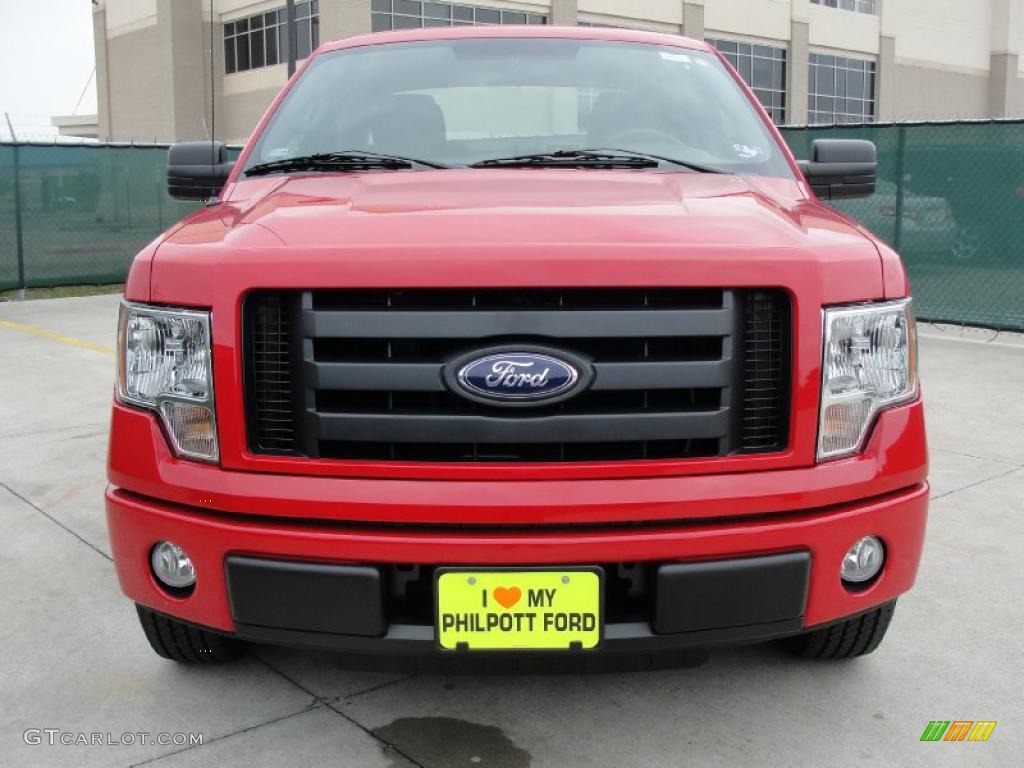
196,170
841,168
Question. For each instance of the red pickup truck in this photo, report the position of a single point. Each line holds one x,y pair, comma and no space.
528,343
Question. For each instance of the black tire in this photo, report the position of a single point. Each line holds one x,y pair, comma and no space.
182,642
846,639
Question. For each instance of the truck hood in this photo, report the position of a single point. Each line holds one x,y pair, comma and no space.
398,224
492,206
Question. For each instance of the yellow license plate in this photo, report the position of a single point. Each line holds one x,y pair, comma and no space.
518,609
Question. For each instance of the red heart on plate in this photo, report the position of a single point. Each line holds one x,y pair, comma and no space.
507,597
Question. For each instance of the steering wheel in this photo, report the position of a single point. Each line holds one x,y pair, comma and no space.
642,136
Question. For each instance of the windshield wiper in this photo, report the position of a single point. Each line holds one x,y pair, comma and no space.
347,160
590,158
665,159
570,158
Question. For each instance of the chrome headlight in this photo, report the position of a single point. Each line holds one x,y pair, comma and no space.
869,363
164,364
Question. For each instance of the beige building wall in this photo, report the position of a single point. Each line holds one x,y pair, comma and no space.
941,57
190,53
752,18
945,34
935,58
152,69
139,93
653,14
844,31
123,17
1006,86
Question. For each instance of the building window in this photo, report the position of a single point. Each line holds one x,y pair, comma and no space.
763,68
406,14
602,25
262,40
840,90
860,6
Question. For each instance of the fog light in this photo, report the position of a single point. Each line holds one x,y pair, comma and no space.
863,561
172,566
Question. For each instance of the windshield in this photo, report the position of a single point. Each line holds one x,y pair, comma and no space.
459,102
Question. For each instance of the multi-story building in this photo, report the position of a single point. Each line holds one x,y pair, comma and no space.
809,61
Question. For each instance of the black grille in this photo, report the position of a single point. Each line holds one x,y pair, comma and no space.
272,400
679,373
766,363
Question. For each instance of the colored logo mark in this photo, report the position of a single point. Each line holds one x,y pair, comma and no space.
958,730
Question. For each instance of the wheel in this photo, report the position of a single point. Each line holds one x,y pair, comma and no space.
845,639
182,642
967,244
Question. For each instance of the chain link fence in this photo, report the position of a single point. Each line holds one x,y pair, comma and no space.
72,214
950,199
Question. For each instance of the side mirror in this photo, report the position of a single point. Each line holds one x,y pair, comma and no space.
841,168
196,170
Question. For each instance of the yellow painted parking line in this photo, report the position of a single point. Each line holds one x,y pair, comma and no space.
44,334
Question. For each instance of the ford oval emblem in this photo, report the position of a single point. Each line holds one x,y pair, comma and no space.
521,376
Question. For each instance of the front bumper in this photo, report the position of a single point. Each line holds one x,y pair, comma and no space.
217,514
137,523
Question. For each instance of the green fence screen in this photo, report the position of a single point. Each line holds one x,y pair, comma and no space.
81,212
950,199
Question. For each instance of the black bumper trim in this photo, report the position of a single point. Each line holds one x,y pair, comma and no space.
418,640
320,597
738,592
342,607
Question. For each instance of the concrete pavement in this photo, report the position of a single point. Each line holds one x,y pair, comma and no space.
73,658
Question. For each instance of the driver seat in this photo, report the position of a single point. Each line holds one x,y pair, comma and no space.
616,112
409,124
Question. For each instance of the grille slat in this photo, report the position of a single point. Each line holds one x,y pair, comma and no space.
574,428
358,374
426,377
472,324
